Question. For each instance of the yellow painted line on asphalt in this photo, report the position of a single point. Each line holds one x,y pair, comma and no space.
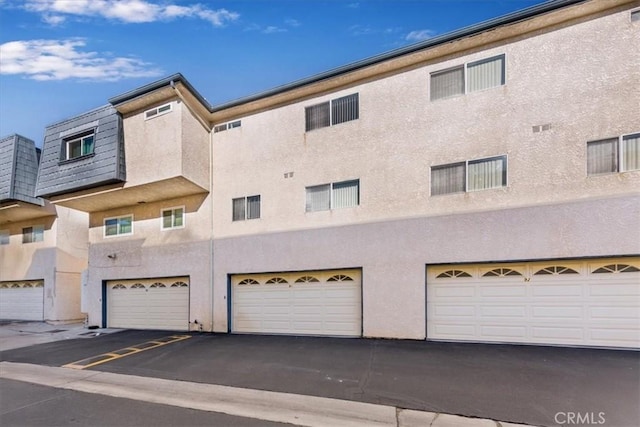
123,352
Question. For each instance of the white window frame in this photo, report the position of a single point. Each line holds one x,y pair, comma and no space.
36,230
332,195
81,139
172,210
5,237
466,174
158,111
620,158
246,208
118,234
465,70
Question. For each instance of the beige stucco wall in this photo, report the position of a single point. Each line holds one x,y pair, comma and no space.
166,146
151,252
583,79
58,260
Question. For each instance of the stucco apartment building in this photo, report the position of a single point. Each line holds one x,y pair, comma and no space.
478,186
43,248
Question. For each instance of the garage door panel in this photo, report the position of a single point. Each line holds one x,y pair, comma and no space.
592,303
557,312
454,291
502,331
614,312
557,332
22,300
512,311
149,304
310,303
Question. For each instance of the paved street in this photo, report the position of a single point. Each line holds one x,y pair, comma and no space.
519,384
25,404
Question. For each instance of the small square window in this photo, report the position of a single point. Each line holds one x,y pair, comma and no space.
33,234
246,208
4,237
317,116
118,226
173,218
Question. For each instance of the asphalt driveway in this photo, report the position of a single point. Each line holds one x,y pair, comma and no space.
520,384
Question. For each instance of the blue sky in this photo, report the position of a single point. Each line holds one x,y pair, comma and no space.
60,58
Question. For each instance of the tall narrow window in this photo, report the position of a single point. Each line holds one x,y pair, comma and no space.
33,234
246,208
172,218
631,152
4,237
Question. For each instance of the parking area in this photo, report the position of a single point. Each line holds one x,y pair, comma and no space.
520,384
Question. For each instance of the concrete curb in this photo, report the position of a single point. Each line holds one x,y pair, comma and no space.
264,405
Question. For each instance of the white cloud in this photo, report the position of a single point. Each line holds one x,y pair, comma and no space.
64,59
127,11
292,22
273,29
419,35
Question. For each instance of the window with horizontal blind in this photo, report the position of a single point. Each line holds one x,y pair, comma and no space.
332,112
618,154
244,208
173,218
466,78
33,234
335,195
472,175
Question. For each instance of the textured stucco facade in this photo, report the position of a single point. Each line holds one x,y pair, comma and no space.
571,75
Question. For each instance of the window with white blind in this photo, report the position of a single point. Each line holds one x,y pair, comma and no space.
472,175
619,154
470,77
332,112
246,208
336,195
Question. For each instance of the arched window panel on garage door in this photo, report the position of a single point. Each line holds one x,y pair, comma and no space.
248,282
119,286
502,272
137,286
158,285
616,268
554,270
340,278
453,273
179,285
276,280
306,279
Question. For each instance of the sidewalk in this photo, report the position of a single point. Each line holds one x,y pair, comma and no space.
294,409
18,334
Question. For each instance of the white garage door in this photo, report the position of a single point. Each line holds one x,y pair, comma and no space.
149,304
22,300
308,303
590,303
